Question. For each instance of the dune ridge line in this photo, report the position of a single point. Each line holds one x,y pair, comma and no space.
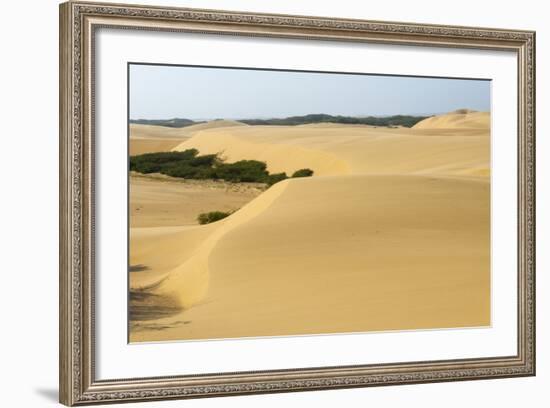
279,157
446,144
188,283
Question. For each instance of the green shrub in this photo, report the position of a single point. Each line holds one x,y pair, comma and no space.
303,173
212,216
242,171
188,164
275,178
145,168
206,160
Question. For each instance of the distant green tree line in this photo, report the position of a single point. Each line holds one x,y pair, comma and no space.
174,123
395,120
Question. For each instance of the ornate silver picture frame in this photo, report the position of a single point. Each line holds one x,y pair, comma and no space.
79,22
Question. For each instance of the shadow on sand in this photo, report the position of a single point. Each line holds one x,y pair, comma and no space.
146,307
138,268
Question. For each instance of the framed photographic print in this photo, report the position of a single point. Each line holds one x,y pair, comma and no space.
256,203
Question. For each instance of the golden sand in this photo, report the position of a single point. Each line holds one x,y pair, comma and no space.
150,139
391,233
158,201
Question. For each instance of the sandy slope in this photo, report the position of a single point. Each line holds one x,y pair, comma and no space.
163,132
149,139
391,233
460,119
330,254
343,149
157,201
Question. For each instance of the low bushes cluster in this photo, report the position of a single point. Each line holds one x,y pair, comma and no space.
303,173
190,165
212,216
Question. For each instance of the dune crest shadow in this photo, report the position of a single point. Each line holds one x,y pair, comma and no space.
143,326
145,305
138,268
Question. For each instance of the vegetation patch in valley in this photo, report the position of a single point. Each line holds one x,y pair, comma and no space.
212,216
303,173
190,165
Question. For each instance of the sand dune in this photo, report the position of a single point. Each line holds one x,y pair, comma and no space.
333,150
155,251
331,254
213,124
460,119
333,125
187,283
138,131
391,233
150,139
156,200
142,146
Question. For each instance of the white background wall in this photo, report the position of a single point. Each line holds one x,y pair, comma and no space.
28,201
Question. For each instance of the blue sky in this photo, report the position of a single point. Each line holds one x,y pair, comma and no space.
162,92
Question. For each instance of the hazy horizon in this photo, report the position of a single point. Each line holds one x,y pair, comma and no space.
285,117
160,92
